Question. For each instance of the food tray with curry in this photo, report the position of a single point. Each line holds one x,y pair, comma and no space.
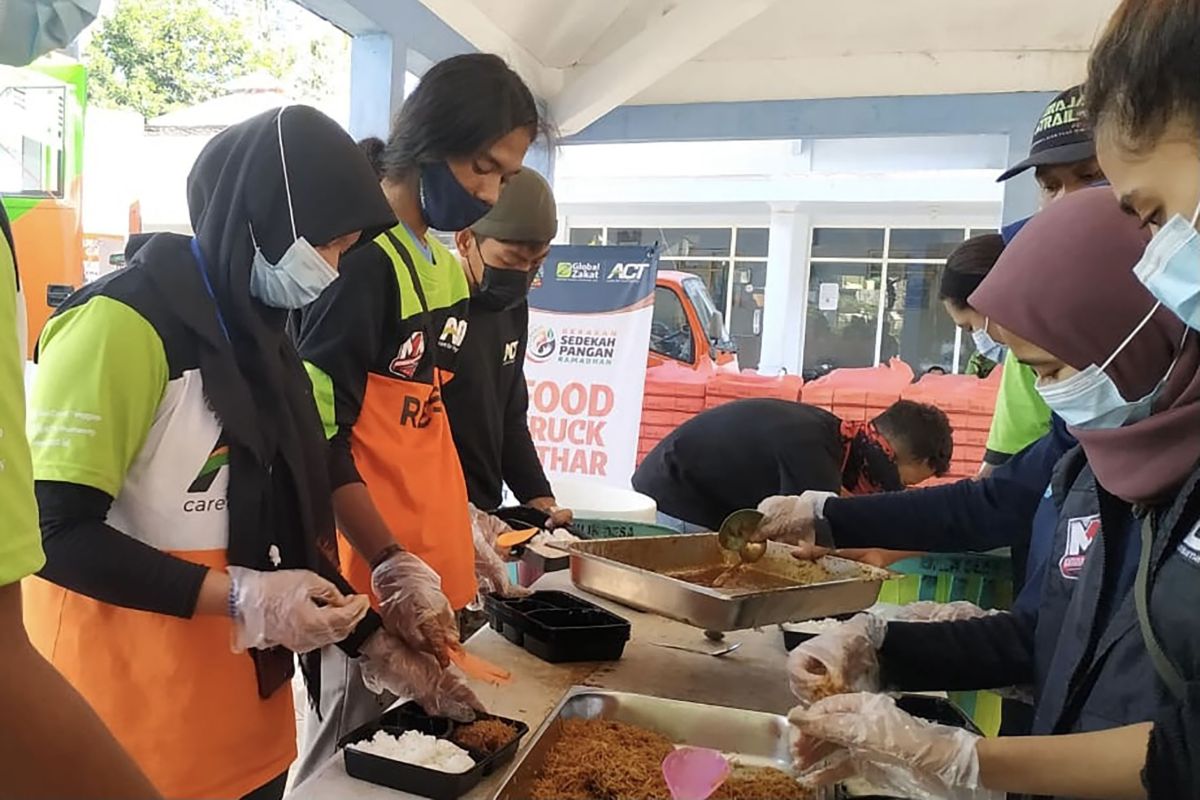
691,579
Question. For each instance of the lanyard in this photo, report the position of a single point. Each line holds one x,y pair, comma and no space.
202,267
1166,670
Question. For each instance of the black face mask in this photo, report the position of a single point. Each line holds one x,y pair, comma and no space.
445,204
502,289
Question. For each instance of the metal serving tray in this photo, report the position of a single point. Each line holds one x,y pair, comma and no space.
751,737
631,572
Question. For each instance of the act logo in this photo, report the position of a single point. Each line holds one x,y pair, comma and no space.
1189,548
542,344
409,356
510,351
628,272
1081,532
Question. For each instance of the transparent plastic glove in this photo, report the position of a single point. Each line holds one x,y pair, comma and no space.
295,608
894,751
846,659
491,571
388,664
929,611
790,518
413,607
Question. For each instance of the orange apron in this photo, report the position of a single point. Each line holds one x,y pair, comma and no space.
172,692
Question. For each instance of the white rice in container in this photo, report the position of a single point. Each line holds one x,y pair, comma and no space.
422,750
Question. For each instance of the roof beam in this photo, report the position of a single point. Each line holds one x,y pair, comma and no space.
663,45
476,27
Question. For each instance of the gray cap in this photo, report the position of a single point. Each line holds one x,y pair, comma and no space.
525,211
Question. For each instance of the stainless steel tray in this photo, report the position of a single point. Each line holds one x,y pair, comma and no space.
631,572
751,737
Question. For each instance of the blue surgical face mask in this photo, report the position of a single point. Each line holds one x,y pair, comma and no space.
445,204
985,345
1090,399
1170,268
301,274
31,28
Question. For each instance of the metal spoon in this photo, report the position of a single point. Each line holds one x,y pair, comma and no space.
724,651
735,535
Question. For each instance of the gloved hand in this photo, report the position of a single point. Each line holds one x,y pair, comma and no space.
491,571
559,517
894,751
846,659
791,519
412,605
929,611
281,608
388,664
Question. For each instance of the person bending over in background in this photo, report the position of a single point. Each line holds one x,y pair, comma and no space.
733,456
1063,157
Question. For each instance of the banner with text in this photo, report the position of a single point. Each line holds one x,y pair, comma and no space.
589,330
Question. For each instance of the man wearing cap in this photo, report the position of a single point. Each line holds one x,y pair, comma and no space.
1063,158
488,399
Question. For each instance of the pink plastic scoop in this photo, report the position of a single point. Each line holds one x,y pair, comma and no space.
694,773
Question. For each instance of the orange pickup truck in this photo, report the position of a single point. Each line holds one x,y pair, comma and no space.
688,339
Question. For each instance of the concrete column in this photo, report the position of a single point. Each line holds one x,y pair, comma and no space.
1020,193
785,296
377,65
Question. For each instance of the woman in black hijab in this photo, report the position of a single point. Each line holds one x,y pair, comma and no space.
180,465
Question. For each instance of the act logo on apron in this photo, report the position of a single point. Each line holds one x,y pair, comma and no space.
1081,532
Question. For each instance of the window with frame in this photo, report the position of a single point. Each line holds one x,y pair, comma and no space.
873,295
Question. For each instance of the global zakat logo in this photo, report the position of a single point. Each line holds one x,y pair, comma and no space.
580,346
542,345
454,333
409,356
577,271
630,272
217,460
1081,532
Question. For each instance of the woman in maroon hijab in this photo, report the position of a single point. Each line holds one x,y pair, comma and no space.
1123,372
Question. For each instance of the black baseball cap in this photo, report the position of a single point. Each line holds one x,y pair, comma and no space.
1062,135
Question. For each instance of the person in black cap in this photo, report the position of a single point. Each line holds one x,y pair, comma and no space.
1062,153
1063,157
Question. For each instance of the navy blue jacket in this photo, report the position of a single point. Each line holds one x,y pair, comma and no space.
1079,646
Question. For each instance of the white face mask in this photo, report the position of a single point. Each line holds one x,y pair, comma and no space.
985,345
1170,268
1090,399
301,274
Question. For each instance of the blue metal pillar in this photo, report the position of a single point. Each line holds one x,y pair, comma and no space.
377,64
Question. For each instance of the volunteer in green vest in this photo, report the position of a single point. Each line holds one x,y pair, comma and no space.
181,472
44,723
1062,155
380,345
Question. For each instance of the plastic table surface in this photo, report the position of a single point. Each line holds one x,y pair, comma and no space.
754,677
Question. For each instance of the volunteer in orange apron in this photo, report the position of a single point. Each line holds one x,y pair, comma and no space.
180,468
383,341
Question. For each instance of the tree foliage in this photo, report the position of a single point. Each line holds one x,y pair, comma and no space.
156,55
